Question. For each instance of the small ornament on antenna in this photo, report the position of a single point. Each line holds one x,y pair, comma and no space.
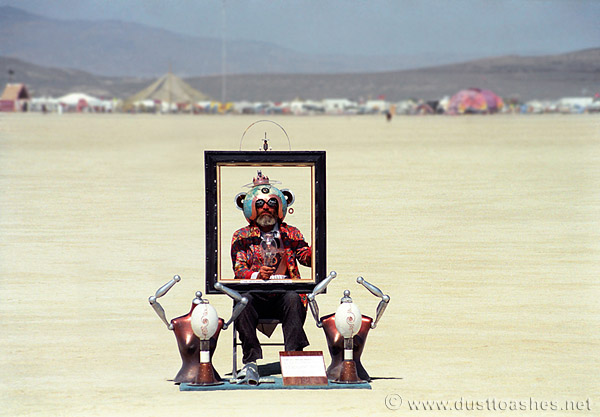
265,145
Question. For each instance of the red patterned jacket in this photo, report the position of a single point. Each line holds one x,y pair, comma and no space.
247,258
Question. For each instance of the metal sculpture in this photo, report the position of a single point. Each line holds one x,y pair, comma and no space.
344,349
188,343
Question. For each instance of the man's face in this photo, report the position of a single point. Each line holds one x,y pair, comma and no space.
266,211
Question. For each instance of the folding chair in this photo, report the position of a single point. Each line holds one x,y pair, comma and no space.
266,327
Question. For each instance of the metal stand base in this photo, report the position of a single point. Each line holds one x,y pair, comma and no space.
348,374
206,375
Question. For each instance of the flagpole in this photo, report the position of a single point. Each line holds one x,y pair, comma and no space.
223,54
169,87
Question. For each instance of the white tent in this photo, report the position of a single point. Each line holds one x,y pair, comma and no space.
73,99
85,102
339,106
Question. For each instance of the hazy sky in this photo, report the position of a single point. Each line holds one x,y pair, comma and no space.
377,27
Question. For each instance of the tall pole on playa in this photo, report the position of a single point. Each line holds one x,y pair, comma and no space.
169,86
223,53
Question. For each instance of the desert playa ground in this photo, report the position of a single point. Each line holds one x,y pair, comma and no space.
484,230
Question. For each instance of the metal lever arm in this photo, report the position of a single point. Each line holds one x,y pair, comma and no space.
385,299
241,302
153,300
312,302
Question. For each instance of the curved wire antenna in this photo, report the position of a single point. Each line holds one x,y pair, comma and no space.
269,121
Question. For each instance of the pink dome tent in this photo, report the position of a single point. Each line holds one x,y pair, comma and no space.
494,103
474,100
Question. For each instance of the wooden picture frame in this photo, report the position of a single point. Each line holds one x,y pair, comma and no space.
226,172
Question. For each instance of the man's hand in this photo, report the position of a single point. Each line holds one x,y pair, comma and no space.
265,272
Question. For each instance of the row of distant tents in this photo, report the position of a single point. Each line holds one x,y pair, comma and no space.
171,94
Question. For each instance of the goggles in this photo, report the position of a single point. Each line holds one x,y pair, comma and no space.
271,203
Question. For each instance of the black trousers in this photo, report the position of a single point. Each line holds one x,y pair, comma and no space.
286,307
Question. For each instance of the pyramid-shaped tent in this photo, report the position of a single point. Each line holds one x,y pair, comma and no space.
168,89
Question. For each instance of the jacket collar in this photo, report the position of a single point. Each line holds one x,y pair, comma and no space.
255,230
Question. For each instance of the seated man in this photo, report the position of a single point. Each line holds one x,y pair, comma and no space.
268,248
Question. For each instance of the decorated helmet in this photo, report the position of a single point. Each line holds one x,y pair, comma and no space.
263,189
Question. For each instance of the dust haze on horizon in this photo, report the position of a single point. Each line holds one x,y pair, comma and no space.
442,30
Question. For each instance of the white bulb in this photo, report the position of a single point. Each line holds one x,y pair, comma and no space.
348,319
205,321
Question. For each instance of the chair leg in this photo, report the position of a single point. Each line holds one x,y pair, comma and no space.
234,332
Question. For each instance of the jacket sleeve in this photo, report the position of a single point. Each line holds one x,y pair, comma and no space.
241,267
304,255
302,252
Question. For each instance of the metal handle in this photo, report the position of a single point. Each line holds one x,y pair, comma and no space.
323,284
312,302
165,288
372,288
241,304
153,300
385,299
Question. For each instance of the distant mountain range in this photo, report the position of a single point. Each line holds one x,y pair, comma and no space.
523,78
117,48
116,59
